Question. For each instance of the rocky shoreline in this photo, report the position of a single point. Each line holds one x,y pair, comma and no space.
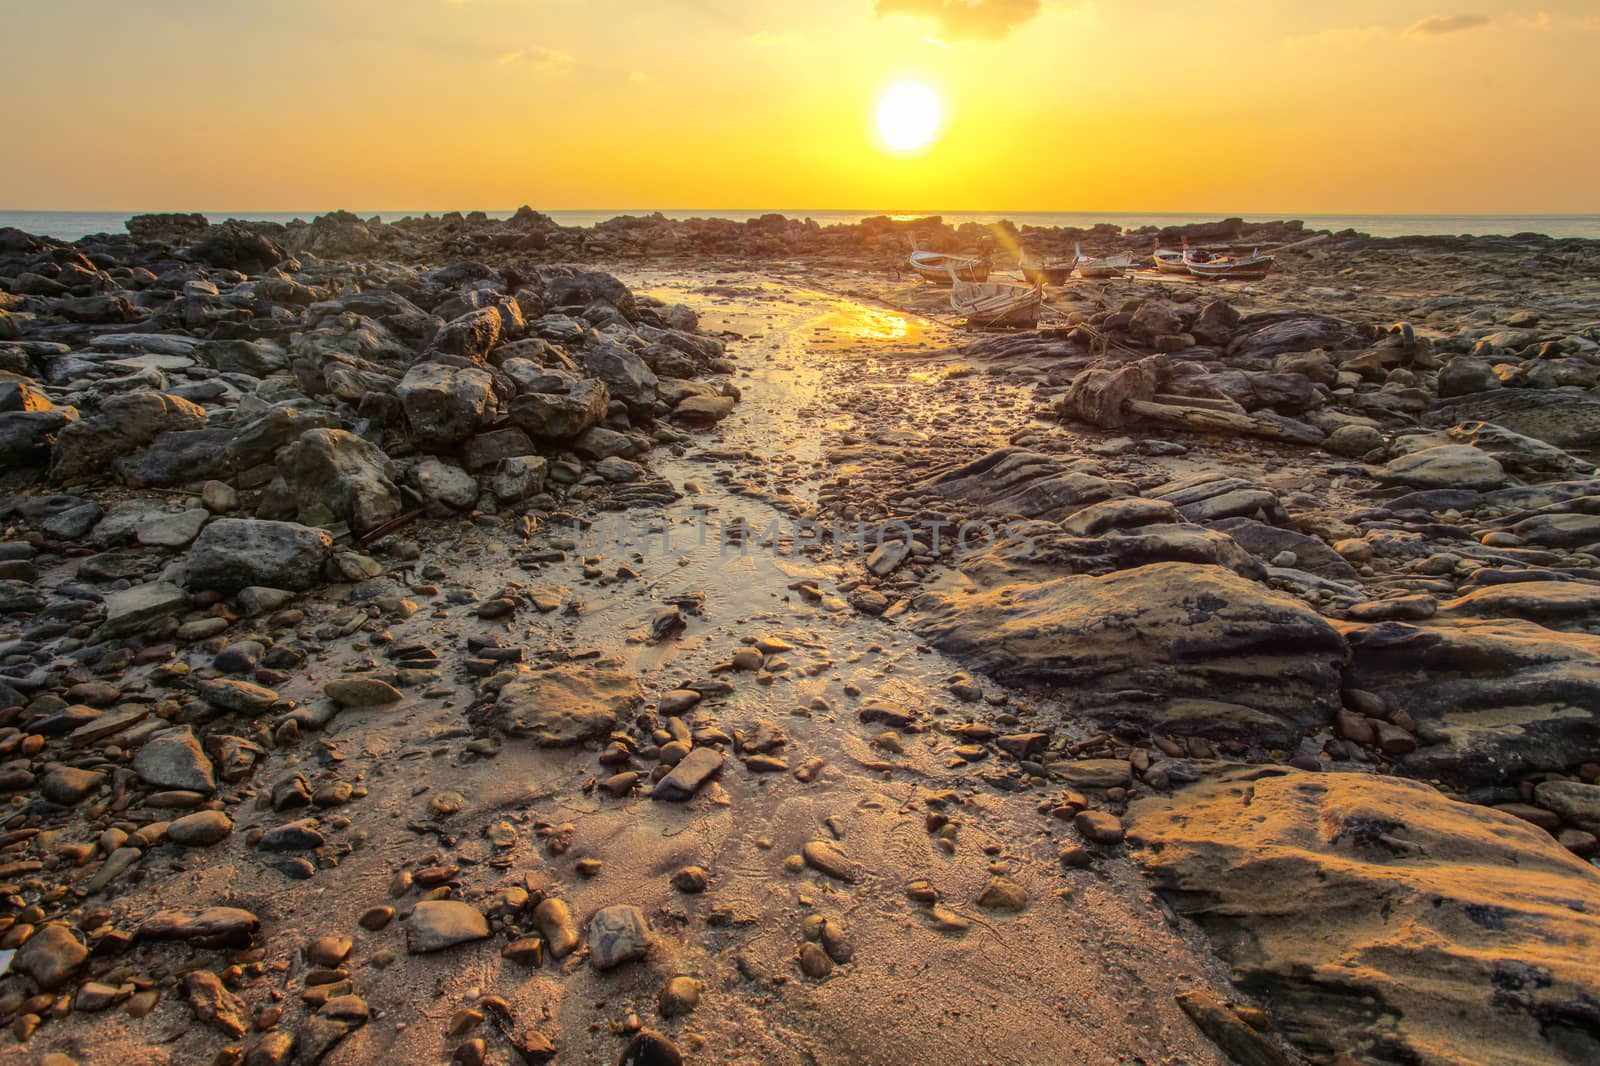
336,718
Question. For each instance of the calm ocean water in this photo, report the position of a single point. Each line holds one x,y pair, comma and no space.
70,225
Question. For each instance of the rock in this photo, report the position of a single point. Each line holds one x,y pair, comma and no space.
233,553
814,961
125,423
560,415
329,475
445,405
201,829
1352,442
1491,698
171,530
485,451
1375,912
174,760
1274,333
1566,418
214,927
445,484
1445,466
1180,629
1098,827
679,996
553,918
649,1048
1243,1044
566,705
618,934
69,786
214,1005
132,610
1465,375
240,697
688,776
1001,894
826,857
361,692
444,923
519,477
1575,801
294,836
702,410
236,247
51,956
1014,481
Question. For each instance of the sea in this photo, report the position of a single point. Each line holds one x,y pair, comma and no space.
71,225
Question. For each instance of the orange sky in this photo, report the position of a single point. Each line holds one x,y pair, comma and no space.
1051,105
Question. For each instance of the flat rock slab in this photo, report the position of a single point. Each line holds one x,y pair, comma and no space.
444,923
565,706
1377,913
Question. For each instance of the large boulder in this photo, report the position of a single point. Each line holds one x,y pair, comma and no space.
560,415
1274,333
1382,920
1173,630
122,426
1567,418
626,376
234,553
584,289
28,437
470,336
236,247
445,405
1445,466
564,706
330,475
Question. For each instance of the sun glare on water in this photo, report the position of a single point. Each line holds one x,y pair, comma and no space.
909,116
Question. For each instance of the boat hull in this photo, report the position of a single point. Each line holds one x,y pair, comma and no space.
997,306
1170,263
942,269
1233,270
1047,273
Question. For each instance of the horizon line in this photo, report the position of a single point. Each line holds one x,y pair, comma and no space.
799,212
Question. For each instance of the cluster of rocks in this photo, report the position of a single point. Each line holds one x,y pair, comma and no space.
197,426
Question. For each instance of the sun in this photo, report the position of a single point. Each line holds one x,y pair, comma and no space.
909,116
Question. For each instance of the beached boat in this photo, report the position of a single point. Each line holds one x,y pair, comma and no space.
993,305
1099,267
1252,267
1170,262
1045,271
941,269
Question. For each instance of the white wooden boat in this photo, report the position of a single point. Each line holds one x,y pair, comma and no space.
1106,266
940,268
1170,262
1252,267
993,305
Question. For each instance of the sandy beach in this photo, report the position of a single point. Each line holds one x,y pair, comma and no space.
487,641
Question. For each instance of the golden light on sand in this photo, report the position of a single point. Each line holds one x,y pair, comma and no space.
909,116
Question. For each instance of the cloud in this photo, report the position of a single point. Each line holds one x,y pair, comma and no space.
538,58
1438,25
976,20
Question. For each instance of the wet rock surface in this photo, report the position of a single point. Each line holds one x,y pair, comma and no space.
363,582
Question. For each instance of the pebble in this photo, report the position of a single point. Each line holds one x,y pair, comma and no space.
553,918
679,996
439,924
650,1048
1098,827
618,934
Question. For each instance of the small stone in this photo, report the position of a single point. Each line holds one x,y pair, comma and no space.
690,880
529,951
201,829
375,918
827,857
329,951
814,962
213,1004
1098,827
650,1048
1001,894
553,918
618,934
68,786
678,996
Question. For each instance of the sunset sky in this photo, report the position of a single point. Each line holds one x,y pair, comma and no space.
1051,105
